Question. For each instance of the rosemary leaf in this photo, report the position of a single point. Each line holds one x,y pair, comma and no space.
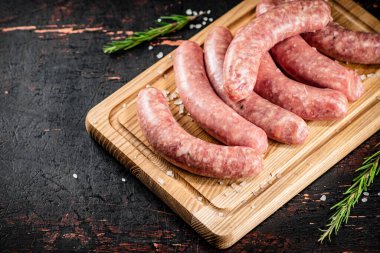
367,173
178,22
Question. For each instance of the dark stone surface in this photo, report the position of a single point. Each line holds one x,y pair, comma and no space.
48,82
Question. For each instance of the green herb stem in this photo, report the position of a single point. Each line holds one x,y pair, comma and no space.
178,22
367,173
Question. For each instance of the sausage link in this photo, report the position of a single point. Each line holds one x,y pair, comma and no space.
308,102
184,150
278,123
206,108
307,65
336,41
242,59
346,45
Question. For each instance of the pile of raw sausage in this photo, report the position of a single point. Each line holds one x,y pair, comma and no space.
235,91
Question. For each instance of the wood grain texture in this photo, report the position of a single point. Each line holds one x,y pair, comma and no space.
49,81
224,213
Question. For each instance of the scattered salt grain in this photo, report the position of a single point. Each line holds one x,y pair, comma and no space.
6,92
123,179
366,193
363,77
188,12
198,26
150,47
178,102
160,181
364,200
210,19
378,194
192,26
75,175
221,214
200,198
160,55
159,20
204,23
170,173
323,198
165,93
123,105
201,12
243,183
205,18
195,13
221,182
208,11
174,95
181,109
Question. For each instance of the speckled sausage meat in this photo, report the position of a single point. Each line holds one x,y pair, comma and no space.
242,59
206,108
338,42
306,101
346,45
307,65
184,150
278,123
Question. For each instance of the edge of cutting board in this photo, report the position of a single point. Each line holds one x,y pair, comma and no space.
222,228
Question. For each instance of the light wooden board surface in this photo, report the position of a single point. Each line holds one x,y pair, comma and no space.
224,211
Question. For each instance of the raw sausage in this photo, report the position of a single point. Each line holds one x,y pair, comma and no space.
278,123
184,150
206,108
308,102
305,64
346,45
336,41
252,41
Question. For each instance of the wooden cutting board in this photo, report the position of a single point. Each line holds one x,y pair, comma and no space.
224,211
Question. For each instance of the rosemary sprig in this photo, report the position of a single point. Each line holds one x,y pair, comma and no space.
179,21
367,172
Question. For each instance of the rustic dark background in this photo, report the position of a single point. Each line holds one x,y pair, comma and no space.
52,71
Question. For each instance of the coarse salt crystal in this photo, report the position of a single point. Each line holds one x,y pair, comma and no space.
323,198
208,11
364,200
203,23
123,179
123,105
174,95
195,13
181,109
159,20
198,26
150,47
199,198
6,92
210,19
363,77
160,181
75,175
243,183
188,12
366,193
201,12
178,102
165,93
221,214
170,173
191,26
378,194
221,182
160,55
205,18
